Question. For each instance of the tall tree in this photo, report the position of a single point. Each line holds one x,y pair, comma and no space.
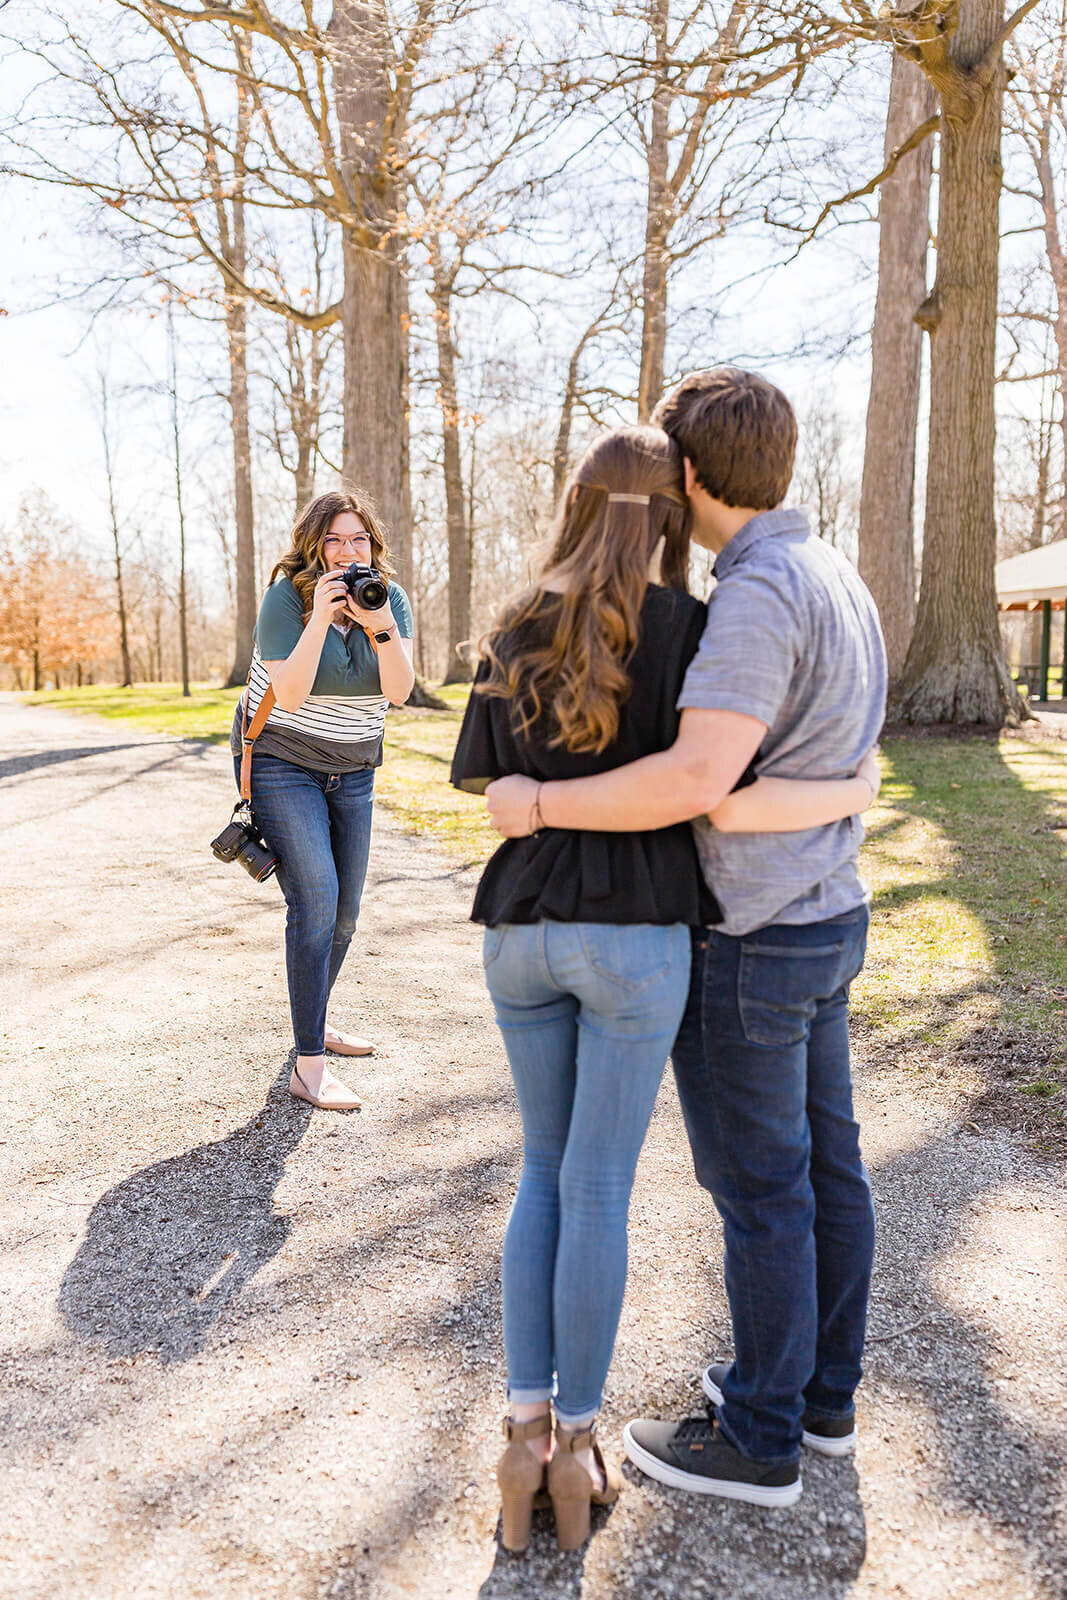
955,670
176,190
183,592
887,495
116,538
686,72
333,106
299,371
1038,103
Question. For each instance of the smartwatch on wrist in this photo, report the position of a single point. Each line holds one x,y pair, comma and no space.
383,638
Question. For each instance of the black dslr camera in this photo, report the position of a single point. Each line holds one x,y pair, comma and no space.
366,585
240,841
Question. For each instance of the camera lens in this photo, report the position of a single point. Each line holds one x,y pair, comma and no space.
257,860
371,594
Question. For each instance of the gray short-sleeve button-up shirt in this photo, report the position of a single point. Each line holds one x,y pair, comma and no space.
792,638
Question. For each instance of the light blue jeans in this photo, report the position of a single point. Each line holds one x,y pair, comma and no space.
588,1012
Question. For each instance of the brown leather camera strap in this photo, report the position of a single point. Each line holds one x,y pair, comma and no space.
250,733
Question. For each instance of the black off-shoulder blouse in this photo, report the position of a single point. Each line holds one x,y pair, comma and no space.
565,875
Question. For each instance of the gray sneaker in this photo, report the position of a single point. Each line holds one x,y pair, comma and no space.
828,1436
693,1455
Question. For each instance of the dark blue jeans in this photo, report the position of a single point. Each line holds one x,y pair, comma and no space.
762,1064
318,825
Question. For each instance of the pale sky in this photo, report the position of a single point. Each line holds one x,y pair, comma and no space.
50,358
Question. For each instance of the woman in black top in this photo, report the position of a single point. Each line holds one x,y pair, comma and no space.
587,936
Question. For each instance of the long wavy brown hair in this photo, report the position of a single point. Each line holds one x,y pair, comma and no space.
602,550
304,563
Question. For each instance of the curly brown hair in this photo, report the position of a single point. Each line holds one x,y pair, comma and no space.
603,547
303,563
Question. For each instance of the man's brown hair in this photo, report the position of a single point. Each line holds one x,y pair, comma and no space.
739,432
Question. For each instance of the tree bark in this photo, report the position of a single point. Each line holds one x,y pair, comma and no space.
237,335
561,453
120,594
234,251
374,299
1057,260
183,608
955,670
458,669
658,219
306,414
1044,463
887,518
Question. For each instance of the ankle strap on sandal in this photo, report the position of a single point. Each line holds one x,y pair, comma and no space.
527,1430
575,1439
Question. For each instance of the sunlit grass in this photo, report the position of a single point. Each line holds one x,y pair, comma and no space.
413,782
968,872
153,707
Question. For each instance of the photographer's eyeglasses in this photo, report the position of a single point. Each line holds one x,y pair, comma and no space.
354,539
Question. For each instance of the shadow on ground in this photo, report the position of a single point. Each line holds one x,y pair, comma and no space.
168,1249
50,758
1006,823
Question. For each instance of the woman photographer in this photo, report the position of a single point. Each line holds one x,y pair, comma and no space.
334,668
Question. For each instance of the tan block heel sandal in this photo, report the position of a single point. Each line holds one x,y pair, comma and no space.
573,1490
521,1478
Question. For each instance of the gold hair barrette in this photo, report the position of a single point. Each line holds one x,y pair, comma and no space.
631,499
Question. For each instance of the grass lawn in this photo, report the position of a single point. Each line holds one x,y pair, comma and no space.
154,707
966,853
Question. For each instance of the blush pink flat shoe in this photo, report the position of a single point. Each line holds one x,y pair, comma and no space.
346,1044
331,1095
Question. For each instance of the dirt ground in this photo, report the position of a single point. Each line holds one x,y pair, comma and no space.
251,1351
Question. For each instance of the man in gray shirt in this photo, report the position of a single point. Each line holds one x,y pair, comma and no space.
791,667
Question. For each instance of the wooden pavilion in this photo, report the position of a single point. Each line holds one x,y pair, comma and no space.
1036,582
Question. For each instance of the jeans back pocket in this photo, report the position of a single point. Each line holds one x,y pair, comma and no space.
779,989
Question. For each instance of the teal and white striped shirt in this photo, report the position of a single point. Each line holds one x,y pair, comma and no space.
340,725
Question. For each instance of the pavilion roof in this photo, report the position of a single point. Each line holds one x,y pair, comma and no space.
1034,576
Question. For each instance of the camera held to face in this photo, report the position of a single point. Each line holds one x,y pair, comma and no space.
240,841
366,585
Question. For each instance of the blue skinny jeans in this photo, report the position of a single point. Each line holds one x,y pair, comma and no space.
318,824
588,1012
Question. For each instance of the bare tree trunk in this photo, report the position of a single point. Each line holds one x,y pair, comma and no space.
458,669
304,402
237,334
955,670
561,454
374,297
237,337
304,475
887,519
1044,461
183,617
1057,260
658,220
120,596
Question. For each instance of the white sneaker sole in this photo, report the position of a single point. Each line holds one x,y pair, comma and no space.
843,1446
753,1494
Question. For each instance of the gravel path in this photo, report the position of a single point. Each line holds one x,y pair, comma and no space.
249,1351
